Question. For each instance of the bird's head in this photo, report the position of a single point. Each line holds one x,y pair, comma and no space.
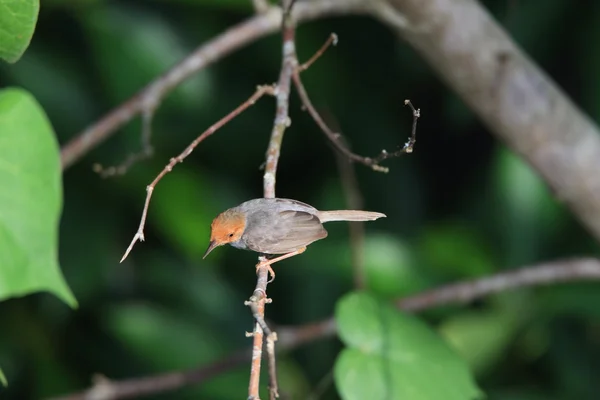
226,228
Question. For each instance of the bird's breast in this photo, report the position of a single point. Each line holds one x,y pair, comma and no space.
239,244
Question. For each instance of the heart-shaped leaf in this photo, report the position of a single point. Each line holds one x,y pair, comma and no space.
30,199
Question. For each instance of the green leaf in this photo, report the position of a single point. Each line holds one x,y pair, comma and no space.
31,200
3,379
17,22
392,355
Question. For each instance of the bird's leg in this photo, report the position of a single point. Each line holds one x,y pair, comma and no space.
267,263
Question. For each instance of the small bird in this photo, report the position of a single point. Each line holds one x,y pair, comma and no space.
276,226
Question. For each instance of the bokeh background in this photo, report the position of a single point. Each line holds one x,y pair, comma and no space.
462,206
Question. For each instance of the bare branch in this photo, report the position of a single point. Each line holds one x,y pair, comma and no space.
544,274
282,119
332,40
572,270
257,305
139,235
410,143
232,39
280,123
335,137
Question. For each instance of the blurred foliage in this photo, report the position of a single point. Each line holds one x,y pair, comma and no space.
462,206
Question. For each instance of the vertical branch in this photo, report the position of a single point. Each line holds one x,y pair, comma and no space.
281,122
282,119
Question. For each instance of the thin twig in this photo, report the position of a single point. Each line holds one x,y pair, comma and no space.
332,40
336,138
139,235
280,123
570,270
410,143
234,38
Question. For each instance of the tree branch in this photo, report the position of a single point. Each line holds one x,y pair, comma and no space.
336,138
229,41
470,51
280,123
544,274
511,95
582,269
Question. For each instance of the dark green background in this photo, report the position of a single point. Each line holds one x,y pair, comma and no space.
461,206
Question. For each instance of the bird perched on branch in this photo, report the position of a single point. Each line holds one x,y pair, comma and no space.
276,226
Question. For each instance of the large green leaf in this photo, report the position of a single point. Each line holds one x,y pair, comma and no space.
2,378
30,200
392,355
17,23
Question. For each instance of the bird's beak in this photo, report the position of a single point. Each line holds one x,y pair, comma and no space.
211,246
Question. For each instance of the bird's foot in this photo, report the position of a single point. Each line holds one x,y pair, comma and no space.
261,265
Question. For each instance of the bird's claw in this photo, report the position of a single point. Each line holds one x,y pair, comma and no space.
269,269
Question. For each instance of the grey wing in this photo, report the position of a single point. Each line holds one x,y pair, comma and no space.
289,232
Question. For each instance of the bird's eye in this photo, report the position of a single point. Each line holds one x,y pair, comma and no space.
231,235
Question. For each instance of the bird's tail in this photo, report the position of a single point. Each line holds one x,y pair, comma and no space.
348,215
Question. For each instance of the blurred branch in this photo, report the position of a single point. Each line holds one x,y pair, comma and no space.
229,41
139,235
583,269
544,274
511,95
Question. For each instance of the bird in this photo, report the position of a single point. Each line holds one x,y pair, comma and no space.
273,226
